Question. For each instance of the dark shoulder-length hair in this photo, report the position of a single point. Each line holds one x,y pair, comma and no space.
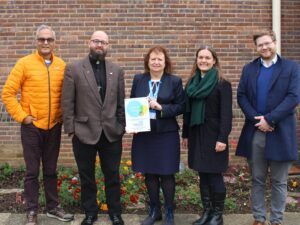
158,49
216,58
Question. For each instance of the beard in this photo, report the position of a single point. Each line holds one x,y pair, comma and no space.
96,55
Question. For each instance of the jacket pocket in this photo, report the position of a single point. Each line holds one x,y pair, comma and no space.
81,119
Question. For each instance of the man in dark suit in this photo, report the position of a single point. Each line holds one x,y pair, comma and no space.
93,111
268,94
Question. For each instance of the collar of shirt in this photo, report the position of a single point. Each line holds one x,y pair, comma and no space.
274,60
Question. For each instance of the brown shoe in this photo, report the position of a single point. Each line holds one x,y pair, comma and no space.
258,223
60,214
31,218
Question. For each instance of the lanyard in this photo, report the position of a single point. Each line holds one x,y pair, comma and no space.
151,87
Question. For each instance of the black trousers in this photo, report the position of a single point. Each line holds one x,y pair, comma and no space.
110,157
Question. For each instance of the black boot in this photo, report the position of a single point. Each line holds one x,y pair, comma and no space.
154,215
169,217
218,208
207,207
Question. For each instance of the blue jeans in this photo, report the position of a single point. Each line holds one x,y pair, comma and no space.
279,173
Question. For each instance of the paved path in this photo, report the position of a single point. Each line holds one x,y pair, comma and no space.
133,219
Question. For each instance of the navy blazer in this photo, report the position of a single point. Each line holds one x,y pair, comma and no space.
170,96
283,97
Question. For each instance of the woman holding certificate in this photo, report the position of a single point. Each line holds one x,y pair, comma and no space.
156,154
206,126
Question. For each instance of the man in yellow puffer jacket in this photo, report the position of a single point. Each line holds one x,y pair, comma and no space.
39,77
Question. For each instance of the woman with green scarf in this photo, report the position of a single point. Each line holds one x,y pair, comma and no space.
206,126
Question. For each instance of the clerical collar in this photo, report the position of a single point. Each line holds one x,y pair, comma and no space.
95,61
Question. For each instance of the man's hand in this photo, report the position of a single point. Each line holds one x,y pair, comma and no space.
220,146
28,120
263,125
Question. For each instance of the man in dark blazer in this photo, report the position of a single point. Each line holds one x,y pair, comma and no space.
268,94
93,111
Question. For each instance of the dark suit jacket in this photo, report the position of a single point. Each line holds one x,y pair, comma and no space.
283,97
84,113
170,96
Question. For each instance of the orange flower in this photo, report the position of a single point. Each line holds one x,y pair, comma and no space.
97,160
128,163
104,207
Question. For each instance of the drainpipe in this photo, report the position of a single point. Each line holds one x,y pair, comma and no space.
276,23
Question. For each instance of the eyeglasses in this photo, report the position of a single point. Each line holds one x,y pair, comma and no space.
98,42
42,40
267,44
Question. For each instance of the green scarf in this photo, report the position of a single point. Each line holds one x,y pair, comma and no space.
197,91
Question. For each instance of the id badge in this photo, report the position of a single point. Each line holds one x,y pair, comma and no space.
152,114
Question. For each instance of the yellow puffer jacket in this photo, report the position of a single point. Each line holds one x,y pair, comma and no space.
40,90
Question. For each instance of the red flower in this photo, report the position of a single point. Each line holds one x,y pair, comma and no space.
138,175
74,181
59,182
77,190
65,176
134,199
123,191
142,188
75,196
97,181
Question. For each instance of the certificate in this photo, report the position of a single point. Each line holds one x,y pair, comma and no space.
137,114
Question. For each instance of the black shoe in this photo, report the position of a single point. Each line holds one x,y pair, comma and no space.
116,219
89,220
154,215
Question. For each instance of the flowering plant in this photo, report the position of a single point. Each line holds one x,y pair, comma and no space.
133,193
132,186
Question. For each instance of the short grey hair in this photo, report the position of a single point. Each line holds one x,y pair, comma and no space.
43,27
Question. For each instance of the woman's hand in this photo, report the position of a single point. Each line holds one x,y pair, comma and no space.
220,146
153,104
184,142
130,131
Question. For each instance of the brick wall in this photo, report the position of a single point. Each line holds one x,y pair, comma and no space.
135,26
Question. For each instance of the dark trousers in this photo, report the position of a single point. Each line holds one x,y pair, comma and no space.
40,145
212,181
110,157
167,183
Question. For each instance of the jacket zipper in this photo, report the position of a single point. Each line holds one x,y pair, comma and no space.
49,94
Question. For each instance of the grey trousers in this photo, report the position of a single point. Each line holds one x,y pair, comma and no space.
279,173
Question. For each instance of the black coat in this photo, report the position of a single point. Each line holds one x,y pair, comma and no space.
202,139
